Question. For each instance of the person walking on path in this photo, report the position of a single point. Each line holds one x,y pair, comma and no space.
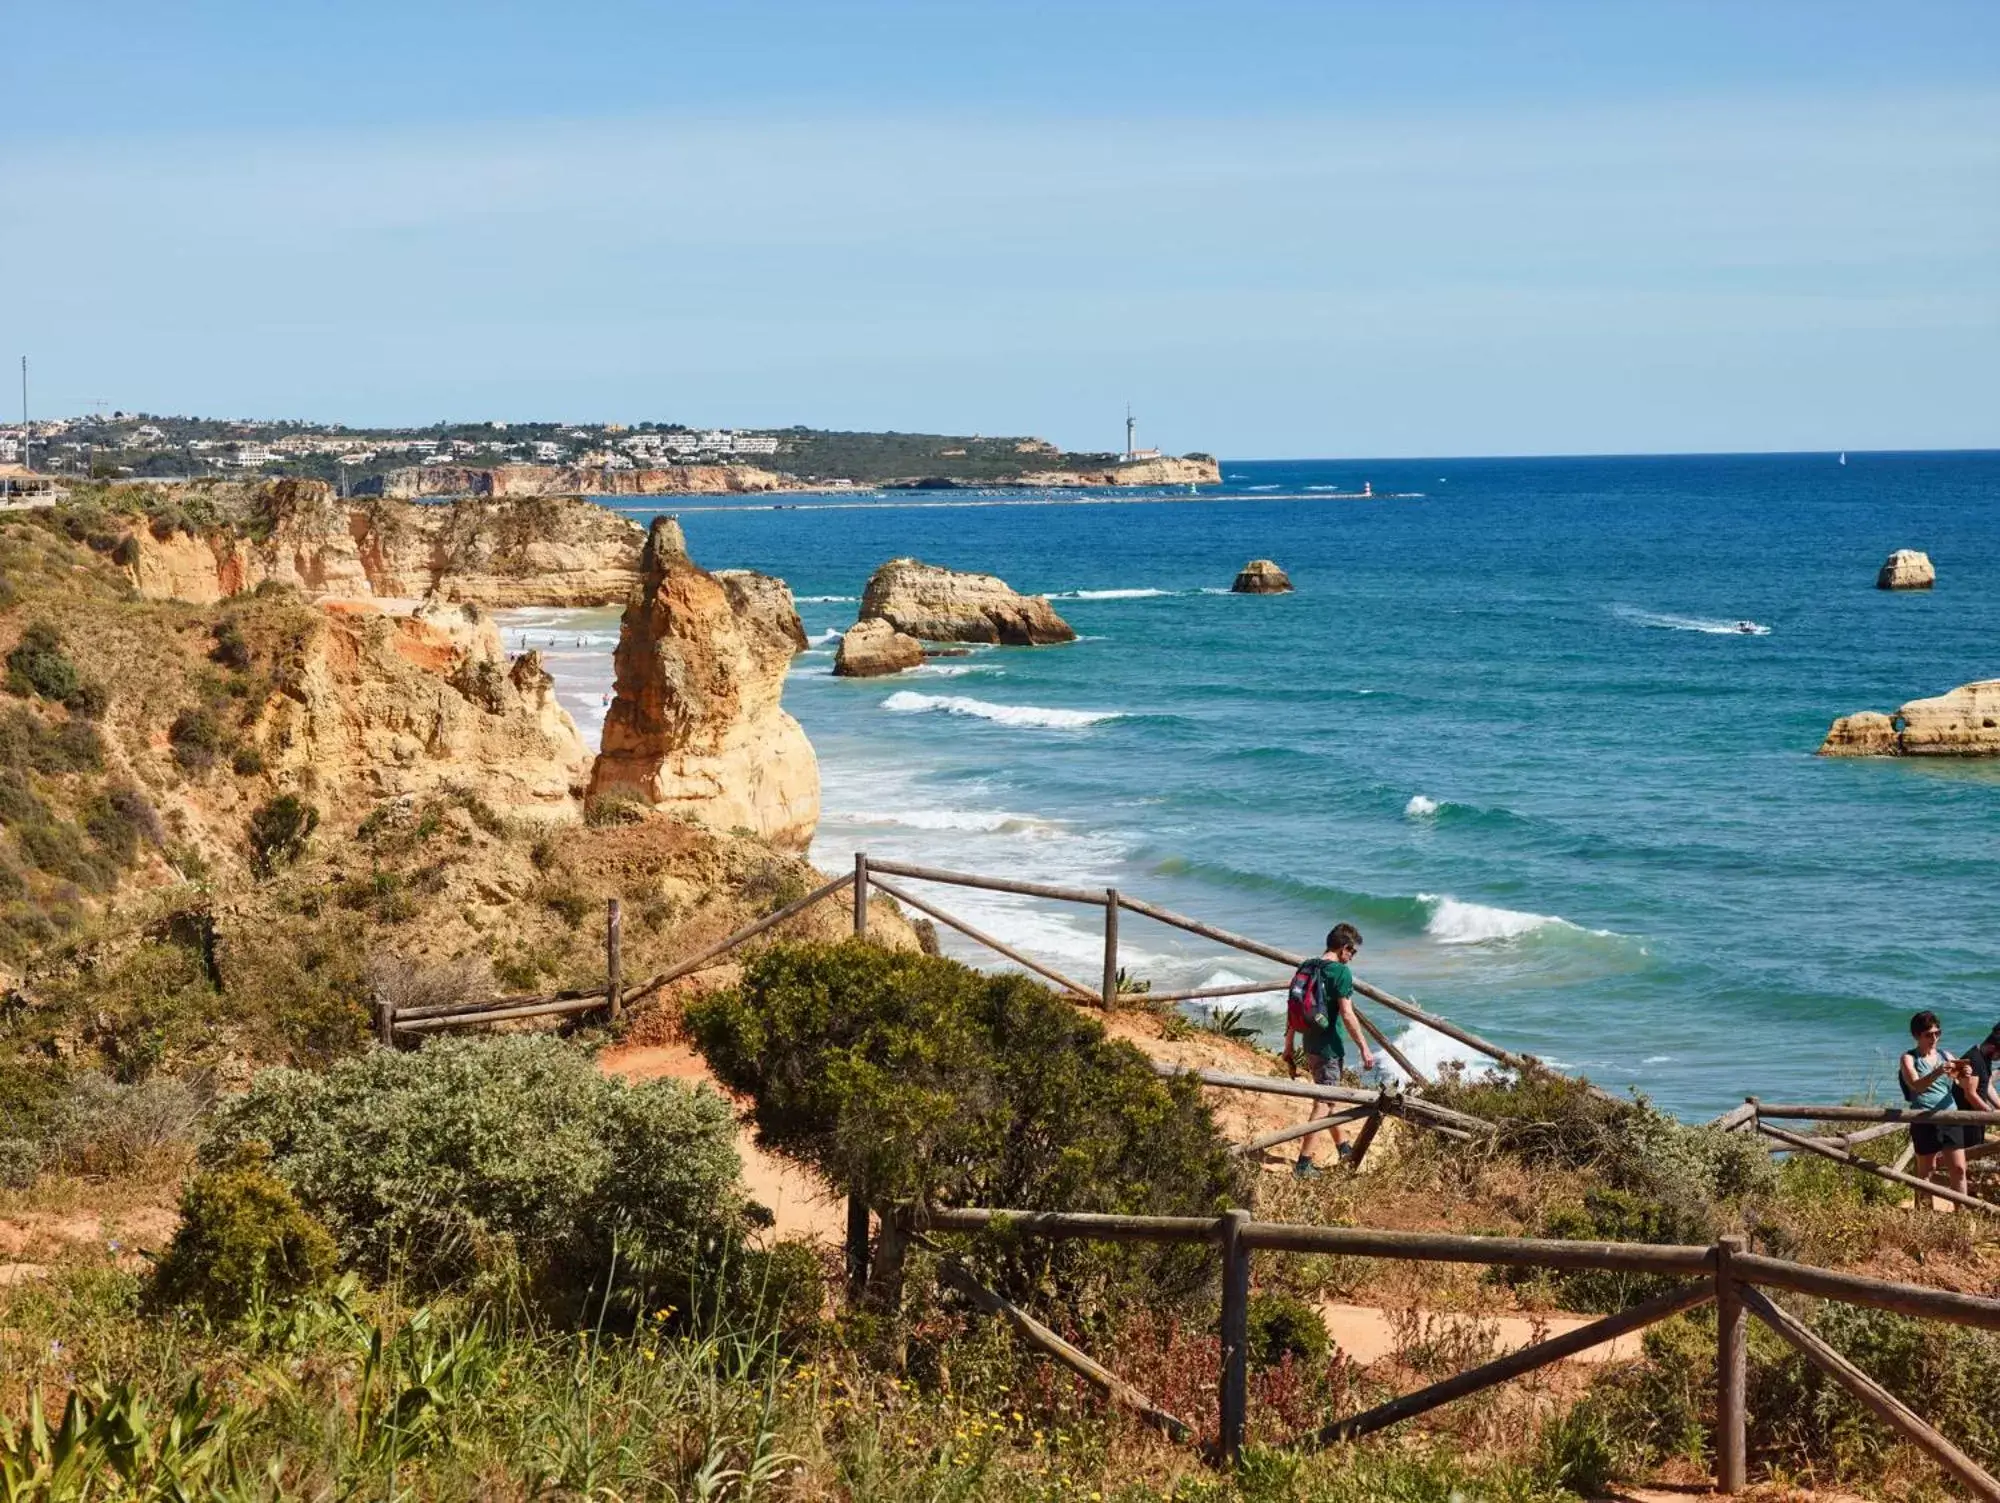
1979,1093
1928,1074
1320,1000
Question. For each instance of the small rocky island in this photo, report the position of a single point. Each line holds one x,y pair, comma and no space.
1962,723
873,649
1906,569
1261,577
947,605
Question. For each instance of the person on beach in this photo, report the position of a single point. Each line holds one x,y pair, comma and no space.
1320,1001
1929,1074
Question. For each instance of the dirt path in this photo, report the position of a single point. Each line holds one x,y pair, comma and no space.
803,1204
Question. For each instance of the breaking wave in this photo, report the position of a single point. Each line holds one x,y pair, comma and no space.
1420,807
909,702
825,599
984,821
1453,921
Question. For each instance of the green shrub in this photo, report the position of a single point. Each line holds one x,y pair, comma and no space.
247,762
571,906
919,1080
28,743
1575,1454
1612,1215
243,1240
474,1156
279,830
18,803
231,649
196,737
38,666
118,819
1283,1325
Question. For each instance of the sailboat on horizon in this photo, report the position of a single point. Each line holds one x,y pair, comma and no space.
1843,456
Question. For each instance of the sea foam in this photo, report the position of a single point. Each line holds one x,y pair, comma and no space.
1139,594
1456,922
1420,807
909,702
824,599
983,821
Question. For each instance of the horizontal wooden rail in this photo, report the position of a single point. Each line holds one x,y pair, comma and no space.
1880,1294
1303,1130
1885,1405
1507,1252
1870,1134
1401,1103
1049,972
749,931
1206,993
1096,899
1905,1114
407,1015
1071,1225
500,1015
1881,1171
1046,1341
1736,1117
1514,1364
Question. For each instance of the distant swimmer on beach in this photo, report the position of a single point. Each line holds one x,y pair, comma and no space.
1319,1000
1931,1077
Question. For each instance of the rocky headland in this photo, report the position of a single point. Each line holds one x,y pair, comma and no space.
1191,469
557,550
947,605
1964,722
696,725
1261,577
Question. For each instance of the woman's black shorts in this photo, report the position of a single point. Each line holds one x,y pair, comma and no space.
1935,1137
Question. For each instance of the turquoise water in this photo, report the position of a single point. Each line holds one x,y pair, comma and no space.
1506,726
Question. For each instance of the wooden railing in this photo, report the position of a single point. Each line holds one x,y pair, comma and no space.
1723,1272
1883,1121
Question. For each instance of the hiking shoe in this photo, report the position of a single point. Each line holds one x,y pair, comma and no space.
1304,1169
1345,1153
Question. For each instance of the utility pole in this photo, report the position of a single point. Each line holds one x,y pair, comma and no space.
27,453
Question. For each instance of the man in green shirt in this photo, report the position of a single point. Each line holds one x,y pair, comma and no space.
1331,1005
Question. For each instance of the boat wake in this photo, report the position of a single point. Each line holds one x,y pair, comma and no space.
1144,594
1690,623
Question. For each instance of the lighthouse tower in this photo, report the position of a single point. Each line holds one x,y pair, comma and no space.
1131,432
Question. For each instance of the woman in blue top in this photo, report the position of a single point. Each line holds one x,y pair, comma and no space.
1928,1073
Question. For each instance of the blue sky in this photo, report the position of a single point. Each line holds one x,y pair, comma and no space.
1413,228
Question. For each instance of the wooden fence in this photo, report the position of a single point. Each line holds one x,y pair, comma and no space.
1723,1272
1882,1121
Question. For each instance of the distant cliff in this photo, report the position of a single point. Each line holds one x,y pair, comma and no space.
1191,469
538,550
420,481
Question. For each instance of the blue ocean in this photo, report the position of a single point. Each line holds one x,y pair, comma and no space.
1511,724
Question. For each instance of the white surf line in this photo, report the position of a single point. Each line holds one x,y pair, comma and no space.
1036,501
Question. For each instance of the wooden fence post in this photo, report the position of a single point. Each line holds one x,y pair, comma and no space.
1732,1324
857,1244
860,894
1110,948
385,1021
613,957
1235,1385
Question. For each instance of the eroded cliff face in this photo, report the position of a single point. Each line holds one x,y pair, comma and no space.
374,706
696,725
1962,723
518,480
558,551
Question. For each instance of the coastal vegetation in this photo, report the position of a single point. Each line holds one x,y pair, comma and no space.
250,1254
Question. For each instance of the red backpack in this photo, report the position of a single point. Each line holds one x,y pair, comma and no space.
1303,1007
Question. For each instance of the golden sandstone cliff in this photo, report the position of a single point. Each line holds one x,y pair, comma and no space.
1962,723
696,726
947,605
535,551
561,480
1194,469
373,706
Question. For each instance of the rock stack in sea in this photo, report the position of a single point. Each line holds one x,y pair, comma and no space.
1962,723
1261,577
1906,569
945,605
871,649
696,725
